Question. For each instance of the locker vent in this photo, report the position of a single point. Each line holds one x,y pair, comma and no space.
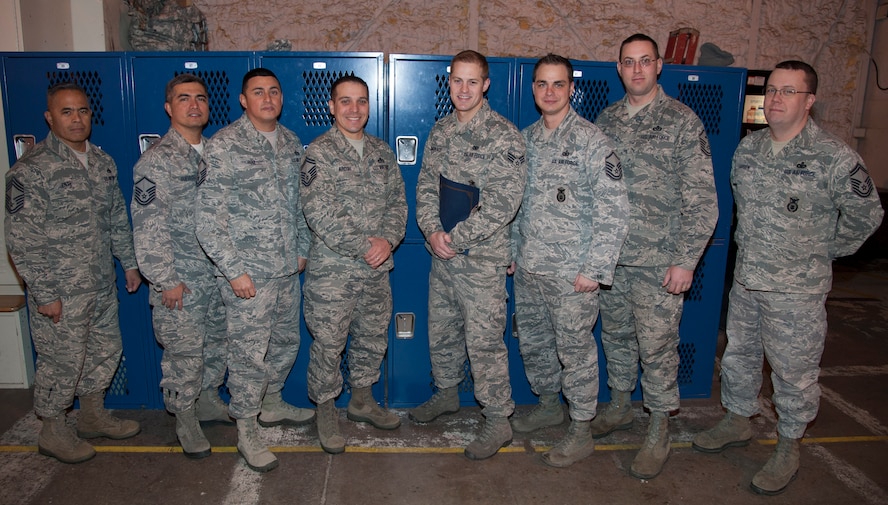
120,382
686,356
316,90
90,81
443,105
706,101
590,97
217,82
695,294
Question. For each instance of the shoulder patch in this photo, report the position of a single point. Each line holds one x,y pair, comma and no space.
309,172
861,183
704,144
613,167
144,191
15,195
514,159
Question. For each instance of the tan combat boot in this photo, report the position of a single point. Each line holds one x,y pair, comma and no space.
362,408
57,440
548,412
94,421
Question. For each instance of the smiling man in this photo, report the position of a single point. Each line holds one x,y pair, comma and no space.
567,236
673,211
251,225
803,199
187,311
353,200
474,150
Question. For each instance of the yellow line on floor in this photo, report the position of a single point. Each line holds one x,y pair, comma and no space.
144,449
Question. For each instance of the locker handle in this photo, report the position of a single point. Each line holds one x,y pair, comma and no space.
407,148
146,140
404,324
23,144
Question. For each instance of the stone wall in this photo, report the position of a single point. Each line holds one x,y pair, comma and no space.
830,34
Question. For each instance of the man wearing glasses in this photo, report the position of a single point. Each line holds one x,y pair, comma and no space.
673,210
803,199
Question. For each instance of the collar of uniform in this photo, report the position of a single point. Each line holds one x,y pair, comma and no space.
65,152
182,145
566,124
660,98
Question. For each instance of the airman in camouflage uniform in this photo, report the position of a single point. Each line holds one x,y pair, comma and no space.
65,218
187,309
803,199
674,209
567,235
353,200
251,225
474,146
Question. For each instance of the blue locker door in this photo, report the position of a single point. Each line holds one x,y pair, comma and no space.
150,72
305,80
26,78
716,95
418,96
596,85
222,73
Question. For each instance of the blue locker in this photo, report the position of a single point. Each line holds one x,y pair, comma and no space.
418,95
26,77
716,94
305,80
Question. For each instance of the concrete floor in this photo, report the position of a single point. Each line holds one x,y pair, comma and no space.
843,457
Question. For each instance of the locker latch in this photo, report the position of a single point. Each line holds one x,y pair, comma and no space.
147,140
23,144
404,322
407,148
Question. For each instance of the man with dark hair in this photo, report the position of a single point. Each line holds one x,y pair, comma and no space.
803,199
65,218
673,211
566,239
187,310
354,203
473,151
250,223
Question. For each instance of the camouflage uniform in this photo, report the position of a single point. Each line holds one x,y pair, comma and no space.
164,196
673,212
467,294
347,199
572,220
796,212
63,224
249,220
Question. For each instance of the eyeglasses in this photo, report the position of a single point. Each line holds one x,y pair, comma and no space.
786,92
644,62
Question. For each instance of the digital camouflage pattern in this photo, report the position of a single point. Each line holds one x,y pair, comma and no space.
166,180
573,220
467,294
672,198
797,210
250,221
347,199
64,223
488,153
249,216
667,162
574,214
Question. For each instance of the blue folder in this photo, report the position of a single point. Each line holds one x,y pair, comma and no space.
456,202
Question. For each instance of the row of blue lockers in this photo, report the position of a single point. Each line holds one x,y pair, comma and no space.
408,93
